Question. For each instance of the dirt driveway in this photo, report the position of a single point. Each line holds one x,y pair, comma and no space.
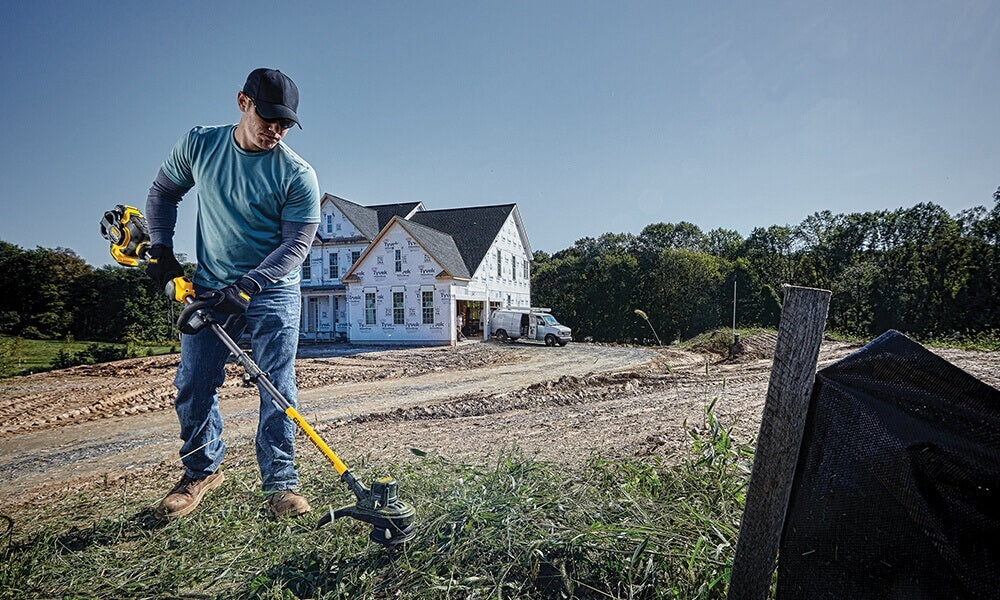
63,427
66,428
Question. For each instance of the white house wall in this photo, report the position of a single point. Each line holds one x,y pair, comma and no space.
418,273
331,305
320,273
333,223
512,285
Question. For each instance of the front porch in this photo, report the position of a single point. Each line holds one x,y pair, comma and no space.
323,315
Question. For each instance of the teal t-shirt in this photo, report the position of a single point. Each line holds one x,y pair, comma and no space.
242,199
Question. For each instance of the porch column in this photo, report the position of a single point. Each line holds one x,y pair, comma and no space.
454,315
486,317
333,317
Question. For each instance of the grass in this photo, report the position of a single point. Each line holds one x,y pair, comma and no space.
717,341
983,341
23,355
515,527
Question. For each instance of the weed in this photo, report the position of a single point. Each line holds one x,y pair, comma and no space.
516,527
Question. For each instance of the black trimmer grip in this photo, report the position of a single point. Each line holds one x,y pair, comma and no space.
194,318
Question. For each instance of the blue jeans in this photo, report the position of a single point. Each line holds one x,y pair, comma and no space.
273,323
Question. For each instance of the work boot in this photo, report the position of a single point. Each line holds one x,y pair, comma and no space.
287,503
186,495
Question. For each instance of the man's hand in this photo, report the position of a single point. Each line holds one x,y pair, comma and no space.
163,265
234,298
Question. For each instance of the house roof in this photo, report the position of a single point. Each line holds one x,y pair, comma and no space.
473,229
440,246
365,219
386,212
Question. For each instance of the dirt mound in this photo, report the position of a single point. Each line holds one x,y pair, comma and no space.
757,346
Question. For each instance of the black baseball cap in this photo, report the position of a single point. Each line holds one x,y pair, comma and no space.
274,93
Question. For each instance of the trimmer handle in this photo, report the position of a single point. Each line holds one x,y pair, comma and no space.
180,289
192,319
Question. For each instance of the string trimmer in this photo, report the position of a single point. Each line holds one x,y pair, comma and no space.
378,505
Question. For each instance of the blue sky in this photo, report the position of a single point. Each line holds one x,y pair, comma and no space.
593,117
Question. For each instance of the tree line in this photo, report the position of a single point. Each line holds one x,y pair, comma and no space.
918,270
55,294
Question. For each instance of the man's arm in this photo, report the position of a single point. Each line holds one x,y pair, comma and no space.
296,239
161,209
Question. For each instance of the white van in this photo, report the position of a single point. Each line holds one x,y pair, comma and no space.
531,324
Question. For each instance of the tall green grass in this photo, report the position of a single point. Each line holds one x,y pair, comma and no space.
514,527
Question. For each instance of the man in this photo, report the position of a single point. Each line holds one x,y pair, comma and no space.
258,210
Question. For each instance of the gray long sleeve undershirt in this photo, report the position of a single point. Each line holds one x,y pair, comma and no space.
161,217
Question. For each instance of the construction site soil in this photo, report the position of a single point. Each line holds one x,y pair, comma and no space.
68,429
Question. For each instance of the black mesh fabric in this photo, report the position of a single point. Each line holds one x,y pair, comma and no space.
897,487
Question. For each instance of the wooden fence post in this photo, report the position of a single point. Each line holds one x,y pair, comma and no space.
800,333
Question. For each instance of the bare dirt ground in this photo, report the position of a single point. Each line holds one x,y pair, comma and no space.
61,430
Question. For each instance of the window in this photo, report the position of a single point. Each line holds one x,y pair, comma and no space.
513,268
370,308
397,308
427,307
526,276
306,270
499,264
329,223
334,266
398,258
338,226
355,255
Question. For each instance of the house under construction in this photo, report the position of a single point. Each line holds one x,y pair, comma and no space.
398,273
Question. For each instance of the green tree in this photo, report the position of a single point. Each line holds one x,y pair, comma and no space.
689,293
11,354
38,300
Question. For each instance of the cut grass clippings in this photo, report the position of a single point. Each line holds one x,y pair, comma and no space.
513,528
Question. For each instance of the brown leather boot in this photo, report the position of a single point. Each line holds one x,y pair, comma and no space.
287,503
186,495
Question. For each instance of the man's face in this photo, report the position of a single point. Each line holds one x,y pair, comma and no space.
257,134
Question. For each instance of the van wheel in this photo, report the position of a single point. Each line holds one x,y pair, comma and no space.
550,340
502,335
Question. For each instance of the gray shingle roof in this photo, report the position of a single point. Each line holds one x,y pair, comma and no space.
473,229
365,219
387,211
440,246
